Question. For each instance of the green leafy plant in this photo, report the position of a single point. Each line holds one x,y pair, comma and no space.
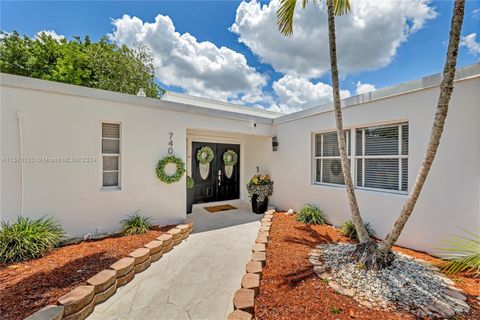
260,185
205,155
179,171
230,158
136,224
311,214
190,182
28,239
335,310
462,253
347,229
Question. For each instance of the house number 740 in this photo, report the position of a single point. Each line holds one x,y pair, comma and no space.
170,143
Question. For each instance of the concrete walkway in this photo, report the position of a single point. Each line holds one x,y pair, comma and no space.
197,279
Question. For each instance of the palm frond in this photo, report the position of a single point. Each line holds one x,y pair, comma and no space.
462,253
341,7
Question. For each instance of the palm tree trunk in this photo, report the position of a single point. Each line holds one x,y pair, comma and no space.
446,89
356,217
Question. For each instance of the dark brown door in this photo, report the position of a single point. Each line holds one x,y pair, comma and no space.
217,186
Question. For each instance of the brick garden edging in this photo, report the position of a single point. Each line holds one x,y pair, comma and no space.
244,298
80,302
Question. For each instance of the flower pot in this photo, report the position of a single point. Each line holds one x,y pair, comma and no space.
190,196
259,207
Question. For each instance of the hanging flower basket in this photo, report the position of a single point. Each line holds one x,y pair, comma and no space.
179,169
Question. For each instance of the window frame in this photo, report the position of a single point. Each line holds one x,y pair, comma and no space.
118,155
353,156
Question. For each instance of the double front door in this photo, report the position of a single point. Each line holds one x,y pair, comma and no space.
217,182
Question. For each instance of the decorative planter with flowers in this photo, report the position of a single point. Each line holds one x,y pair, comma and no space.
259,189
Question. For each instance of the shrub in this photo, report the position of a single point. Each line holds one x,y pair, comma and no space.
463,254
311,214
136,224
28,239
190,182
347,229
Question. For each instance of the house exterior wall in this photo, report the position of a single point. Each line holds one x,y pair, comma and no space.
56,125
450,198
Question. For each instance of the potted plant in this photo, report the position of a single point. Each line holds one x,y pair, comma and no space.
190,193
259,189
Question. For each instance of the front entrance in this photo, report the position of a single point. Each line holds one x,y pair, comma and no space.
215,181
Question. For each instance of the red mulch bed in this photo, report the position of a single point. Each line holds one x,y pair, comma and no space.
289,288
28,286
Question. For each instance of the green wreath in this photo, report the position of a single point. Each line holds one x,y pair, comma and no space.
230,158
162,175
205,155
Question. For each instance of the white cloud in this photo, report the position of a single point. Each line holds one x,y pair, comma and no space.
296,93
367,38
201,68
470,42
50,33
364,87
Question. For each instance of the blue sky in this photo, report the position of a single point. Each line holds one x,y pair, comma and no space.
420,52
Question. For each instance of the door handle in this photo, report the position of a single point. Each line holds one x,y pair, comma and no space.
219,178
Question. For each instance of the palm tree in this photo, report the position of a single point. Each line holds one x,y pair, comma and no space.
285,15
368,252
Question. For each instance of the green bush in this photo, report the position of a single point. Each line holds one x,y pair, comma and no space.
311,214
136,224
28,239
190,182
463,253
347,229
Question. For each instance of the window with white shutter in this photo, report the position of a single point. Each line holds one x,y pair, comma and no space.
382,157
328,166
111,155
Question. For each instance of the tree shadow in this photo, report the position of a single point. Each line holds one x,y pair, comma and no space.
313,239
24,297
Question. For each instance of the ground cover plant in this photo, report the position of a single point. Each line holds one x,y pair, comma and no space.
347,229
311,214
27,238
136,224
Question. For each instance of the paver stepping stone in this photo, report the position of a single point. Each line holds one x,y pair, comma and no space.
140,255
244,299
123,266
121,281
77,299
176,233
251,281
155,246
102,280
105,294
239,315
143,266
50,312
259,256
254,267
258,247
156,256
82,314
166,238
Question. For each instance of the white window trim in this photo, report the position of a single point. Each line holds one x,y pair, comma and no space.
353,157
119,155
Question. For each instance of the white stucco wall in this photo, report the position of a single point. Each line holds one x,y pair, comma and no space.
450,198
56,125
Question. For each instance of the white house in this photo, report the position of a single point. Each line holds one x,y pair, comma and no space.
88,156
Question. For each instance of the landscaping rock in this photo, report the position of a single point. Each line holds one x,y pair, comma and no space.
266,219
251,281
77,299
143,266
123,266
319,270
156,256
259,256
168,248
176,233
140,255
82,314
50,312
263,240
266,224
264,229
254,267
315,261
105,294
166,238
263,234
183,228
121,281
155,246
244,299
239,315
176,242
258,247
340,289
102,280
188,221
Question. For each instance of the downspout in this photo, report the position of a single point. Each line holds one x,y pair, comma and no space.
20,122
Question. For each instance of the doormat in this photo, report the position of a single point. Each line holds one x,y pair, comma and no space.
223,207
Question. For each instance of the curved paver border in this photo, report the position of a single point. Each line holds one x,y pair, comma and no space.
244,298
80,302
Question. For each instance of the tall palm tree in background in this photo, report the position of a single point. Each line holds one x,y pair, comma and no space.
368,252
